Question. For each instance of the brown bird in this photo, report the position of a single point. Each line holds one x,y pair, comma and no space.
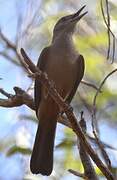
65,67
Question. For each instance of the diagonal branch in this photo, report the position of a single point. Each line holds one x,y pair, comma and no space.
36,73
8,57
13,47
7,41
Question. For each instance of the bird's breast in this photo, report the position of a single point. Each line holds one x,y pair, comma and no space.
62,69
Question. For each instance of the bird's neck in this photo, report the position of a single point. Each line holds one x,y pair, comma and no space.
63,41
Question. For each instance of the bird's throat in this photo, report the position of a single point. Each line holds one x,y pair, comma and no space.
63,42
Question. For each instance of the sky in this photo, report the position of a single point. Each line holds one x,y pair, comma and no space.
11,76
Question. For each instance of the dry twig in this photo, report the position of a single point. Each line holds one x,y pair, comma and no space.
89,172
94,120
20,98
77,173
109,31
90,85
97,93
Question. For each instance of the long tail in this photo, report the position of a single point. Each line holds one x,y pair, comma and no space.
42,155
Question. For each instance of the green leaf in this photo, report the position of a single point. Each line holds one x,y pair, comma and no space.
17,149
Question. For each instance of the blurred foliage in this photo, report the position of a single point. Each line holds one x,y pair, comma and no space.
17,149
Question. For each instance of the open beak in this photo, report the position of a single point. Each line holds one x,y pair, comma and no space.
77,16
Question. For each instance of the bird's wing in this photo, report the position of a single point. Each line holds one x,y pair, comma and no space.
80,73
41,65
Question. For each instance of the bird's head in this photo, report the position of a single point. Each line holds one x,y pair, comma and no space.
67,23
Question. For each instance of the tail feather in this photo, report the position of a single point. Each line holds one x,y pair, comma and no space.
42,155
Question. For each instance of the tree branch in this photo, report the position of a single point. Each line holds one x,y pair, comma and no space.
100,145
36,73
13,47
77,173
97,93
20,98
109,31
90,85
89,171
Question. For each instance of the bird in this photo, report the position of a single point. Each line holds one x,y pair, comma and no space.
64,66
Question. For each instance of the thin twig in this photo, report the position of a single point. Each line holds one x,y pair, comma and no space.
107,23
13,47
20,98
77,173
101,148
100,88
8,57
89,84
2,91
94,120
7,41
89,171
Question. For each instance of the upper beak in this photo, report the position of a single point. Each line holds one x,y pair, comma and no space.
77,16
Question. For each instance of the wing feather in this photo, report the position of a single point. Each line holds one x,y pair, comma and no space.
41,65
80,73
